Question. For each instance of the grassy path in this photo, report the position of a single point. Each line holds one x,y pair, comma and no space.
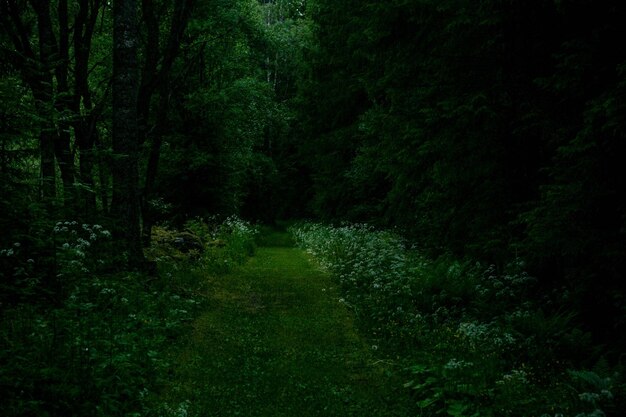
275,341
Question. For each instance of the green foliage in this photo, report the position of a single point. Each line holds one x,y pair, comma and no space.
103,348
488,131
274,236
227,118
480,129
18,161
483,344
173,245
226,244
101,352
79,250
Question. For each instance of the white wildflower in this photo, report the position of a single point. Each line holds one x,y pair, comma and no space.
457,364
590,397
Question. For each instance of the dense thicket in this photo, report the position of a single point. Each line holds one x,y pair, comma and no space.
492,129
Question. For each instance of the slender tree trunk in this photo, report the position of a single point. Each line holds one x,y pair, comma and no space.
47,136
46,153
104,179
63,104
54,59
85,128
125,204
153,78
153,162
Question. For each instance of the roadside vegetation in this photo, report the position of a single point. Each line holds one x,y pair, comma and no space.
102,348
470,339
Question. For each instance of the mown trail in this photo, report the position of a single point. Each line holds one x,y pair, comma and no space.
275,341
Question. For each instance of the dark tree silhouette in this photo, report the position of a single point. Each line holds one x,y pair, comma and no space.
125,203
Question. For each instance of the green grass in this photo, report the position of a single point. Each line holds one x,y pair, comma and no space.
274,237
275,341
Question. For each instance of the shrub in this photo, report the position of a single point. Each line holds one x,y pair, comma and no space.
102,348
225,244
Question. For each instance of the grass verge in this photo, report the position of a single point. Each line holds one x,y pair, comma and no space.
276,341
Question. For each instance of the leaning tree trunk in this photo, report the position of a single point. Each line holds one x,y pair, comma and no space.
125,204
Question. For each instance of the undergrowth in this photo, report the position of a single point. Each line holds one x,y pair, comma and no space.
95,343
470,339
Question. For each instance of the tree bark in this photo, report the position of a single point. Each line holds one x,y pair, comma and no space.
125,204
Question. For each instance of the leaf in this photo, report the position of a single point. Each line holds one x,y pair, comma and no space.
457,408
418,369
429,401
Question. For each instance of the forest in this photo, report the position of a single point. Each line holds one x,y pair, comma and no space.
447,171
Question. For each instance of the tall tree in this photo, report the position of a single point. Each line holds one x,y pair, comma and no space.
36,68
155,75
58,75
125,203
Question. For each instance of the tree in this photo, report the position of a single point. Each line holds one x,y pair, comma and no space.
125,204
155,76
487,129
58,75
37,68
221,109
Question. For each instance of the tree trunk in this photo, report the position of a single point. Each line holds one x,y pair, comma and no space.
125,204
85,129
46,153
153,162
54,59
153,77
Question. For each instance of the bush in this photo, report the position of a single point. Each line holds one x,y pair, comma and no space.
100,353
102,348
225,244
